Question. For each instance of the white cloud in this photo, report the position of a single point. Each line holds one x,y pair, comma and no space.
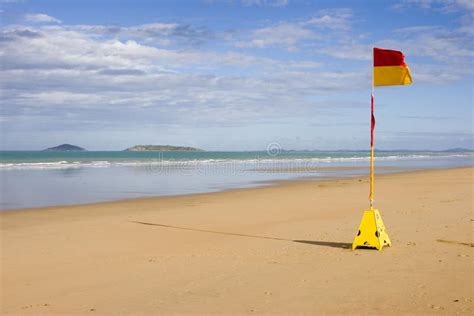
350,50
417,29
291,35
249,3
41,18
157,33
285,34
335,19
439,5
439,44
444,53
155,69
467,4
271,3
74,68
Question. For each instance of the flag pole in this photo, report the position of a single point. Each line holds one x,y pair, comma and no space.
388,69
372,127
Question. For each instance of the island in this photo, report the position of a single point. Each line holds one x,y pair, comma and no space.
65,147
161,148
458,150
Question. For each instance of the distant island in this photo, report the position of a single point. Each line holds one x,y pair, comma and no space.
457,150
161,148
65,147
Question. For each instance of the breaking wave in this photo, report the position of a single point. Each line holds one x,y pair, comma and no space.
250,162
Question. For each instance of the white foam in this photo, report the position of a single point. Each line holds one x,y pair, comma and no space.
157,163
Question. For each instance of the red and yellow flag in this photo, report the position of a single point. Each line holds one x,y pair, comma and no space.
390,68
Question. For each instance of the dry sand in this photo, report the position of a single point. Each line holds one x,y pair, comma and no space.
274,250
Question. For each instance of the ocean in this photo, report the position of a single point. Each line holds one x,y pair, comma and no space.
30,179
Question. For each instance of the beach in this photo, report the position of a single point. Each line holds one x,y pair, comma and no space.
280,249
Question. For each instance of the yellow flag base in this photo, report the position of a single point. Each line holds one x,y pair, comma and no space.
372,233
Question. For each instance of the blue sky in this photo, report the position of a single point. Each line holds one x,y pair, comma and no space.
233,74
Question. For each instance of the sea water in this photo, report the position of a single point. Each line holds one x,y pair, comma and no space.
38,179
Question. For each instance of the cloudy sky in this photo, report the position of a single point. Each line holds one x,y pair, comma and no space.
233,74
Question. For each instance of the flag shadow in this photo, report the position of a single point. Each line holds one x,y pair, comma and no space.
341,245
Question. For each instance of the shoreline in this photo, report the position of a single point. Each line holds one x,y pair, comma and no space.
283,249
260,184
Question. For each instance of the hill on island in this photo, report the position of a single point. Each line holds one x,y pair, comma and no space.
65,147
161,148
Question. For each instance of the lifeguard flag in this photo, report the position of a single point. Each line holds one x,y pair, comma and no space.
390,68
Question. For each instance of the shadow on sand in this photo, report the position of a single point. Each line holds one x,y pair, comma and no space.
341,245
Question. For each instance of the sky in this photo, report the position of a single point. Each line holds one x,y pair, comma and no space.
233,74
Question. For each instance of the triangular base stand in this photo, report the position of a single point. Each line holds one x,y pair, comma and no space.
372,233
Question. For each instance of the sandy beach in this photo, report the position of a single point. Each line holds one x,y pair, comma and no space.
283,249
